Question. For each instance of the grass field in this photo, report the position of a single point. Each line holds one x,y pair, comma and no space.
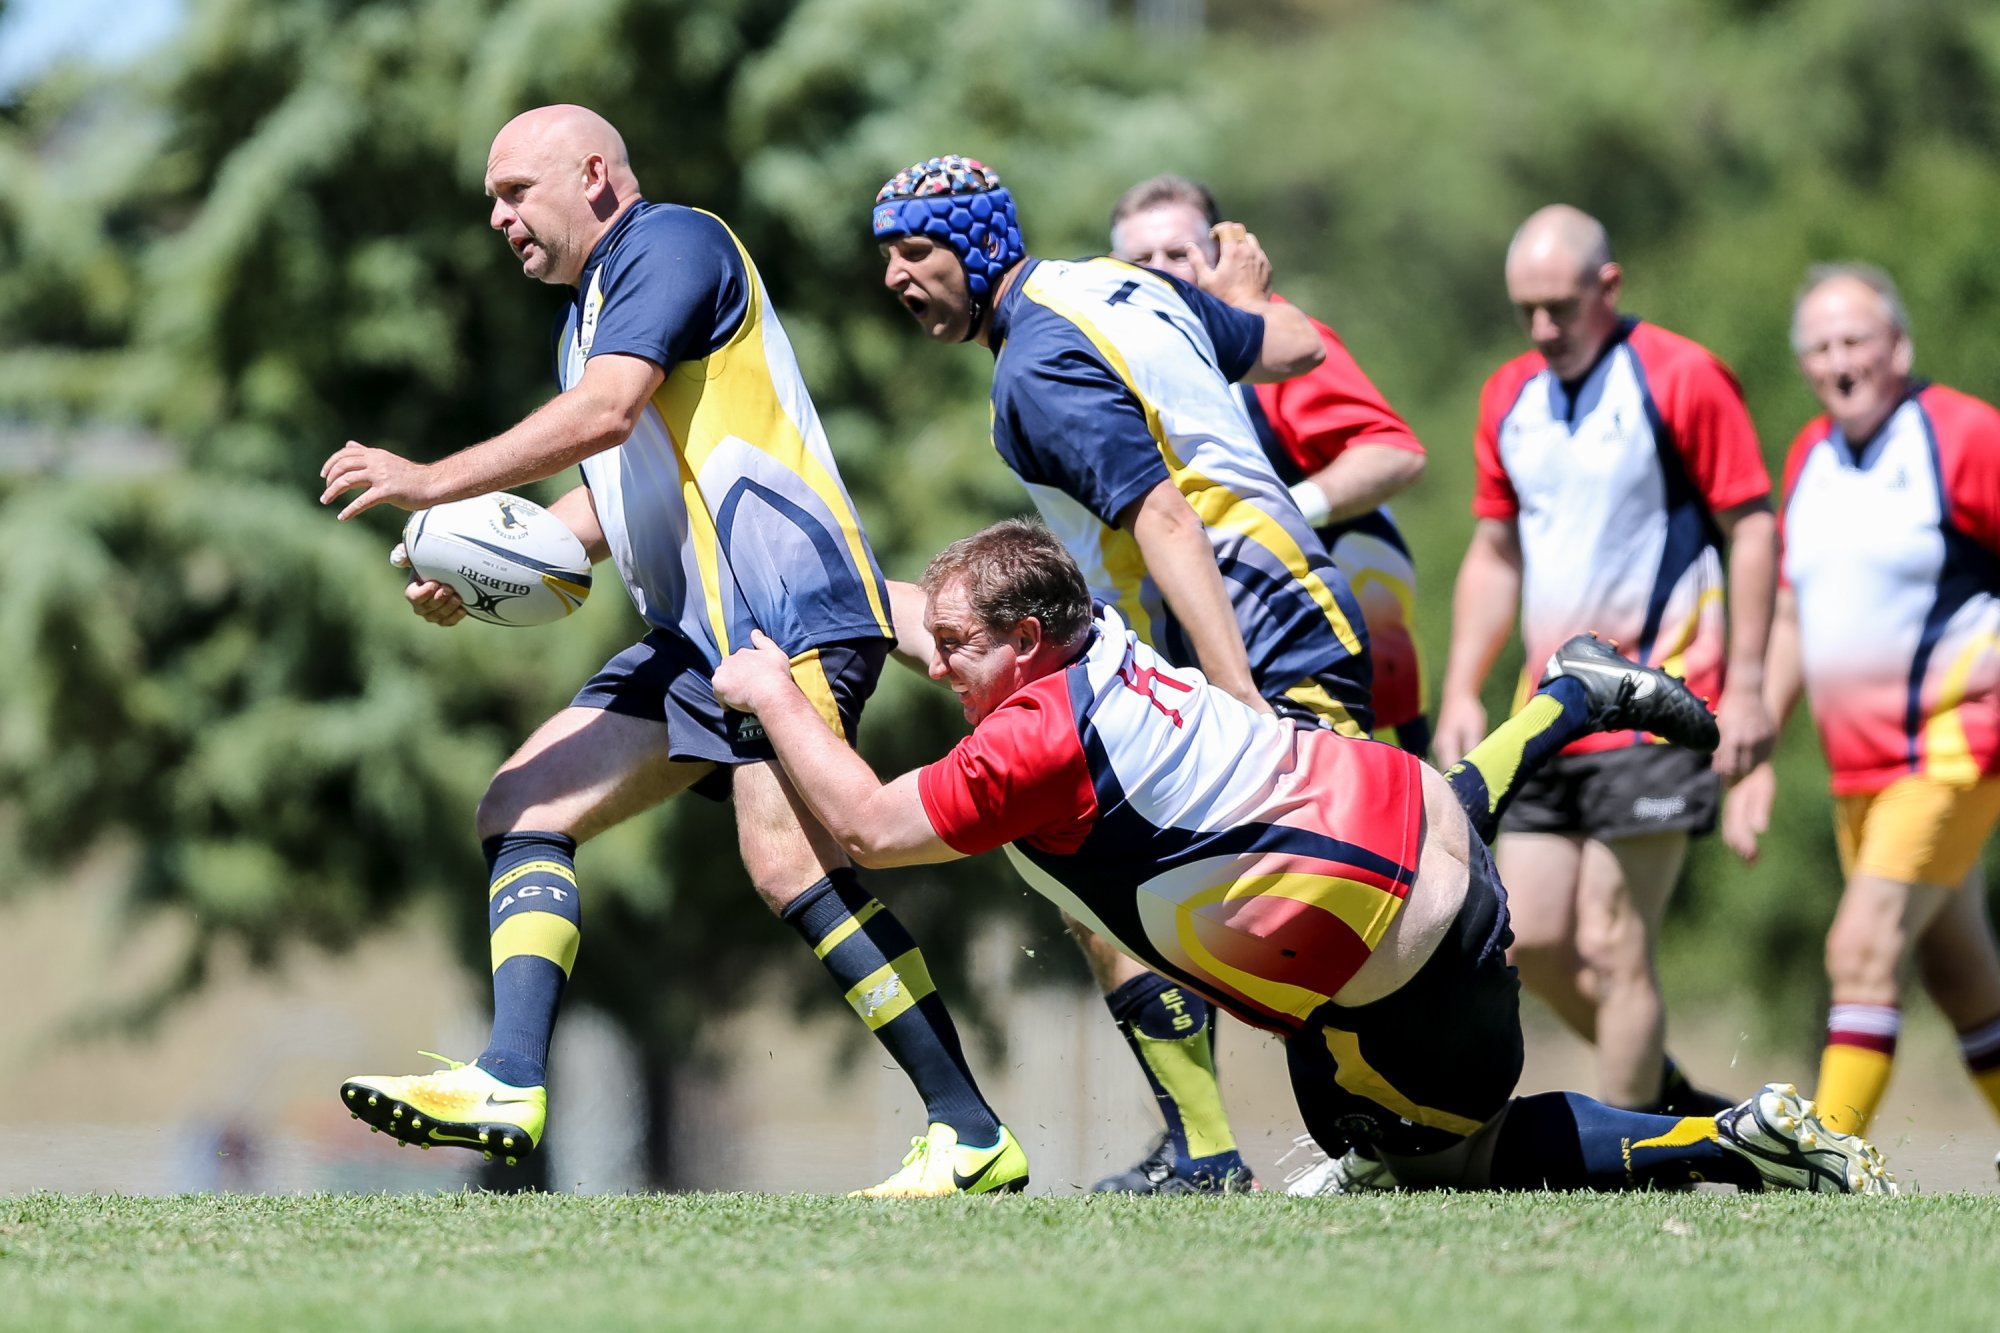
526,1264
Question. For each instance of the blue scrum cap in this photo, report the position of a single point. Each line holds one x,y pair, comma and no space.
959,202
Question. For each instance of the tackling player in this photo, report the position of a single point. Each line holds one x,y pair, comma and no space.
1112,402
1888,618
709,483
1331,891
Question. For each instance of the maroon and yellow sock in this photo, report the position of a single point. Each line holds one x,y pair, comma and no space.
1854,1068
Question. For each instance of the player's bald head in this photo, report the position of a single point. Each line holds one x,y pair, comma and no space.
1564,286
1561,234
559,178
562,134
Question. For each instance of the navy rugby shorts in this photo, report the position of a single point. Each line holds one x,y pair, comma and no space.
1421,1069
665,678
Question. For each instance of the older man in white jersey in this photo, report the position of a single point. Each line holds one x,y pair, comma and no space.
1889,620
1616,464
709,483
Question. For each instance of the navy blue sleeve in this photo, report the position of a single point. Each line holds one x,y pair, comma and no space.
1238,335
1063,418
675,289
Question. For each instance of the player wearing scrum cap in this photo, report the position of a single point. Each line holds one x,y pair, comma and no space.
1112,402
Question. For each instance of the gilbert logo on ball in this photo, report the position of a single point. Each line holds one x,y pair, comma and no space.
511,561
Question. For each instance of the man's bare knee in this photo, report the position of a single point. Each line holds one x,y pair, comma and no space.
508,799
783,846
1861,964
1617,948
1110,966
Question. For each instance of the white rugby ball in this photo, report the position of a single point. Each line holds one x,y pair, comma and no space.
509,559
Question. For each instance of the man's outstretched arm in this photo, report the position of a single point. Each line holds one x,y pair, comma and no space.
598,413
876,823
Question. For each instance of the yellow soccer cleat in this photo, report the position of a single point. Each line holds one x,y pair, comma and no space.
938,1164
460,1106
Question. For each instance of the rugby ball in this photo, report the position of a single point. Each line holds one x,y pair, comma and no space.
509,559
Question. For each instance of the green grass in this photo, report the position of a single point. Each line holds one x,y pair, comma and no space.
528,1264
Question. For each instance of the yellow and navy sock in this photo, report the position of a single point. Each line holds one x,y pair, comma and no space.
532,914
1485,780
1172,1033
882,973
1854,1068
1981,1049
1567,1141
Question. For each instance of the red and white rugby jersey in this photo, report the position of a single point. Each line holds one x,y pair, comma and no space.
1256,861
1890,549
1615,487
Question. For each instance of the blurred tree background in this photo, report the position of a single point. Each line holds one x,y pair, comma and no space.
268,238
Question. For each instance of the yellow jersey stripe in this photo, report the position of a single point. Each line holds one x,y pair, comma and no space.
1216,504
1947,753
1311,694
1277,996
735,385
1362,908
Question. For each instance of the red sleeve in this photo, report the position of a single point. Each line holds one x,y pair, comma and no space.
1317,415
1795,461
1021,774
1968,441
1703,409
1492,493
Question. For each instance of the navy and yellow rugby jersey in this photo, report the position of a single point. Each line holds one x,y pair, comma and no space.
723,509
1109,379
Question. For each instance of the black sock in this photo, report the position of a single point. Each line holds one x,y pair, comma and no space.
882,974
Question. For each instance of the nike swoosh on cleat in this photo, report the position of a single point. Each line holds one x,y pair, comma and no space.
491,1100
965,1183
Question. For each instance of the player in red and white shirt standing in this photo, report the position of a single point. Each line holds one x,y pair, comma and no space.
1889,620
1616,465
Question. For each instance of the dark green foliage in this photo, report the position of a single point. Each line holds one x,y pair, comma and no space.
270,239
